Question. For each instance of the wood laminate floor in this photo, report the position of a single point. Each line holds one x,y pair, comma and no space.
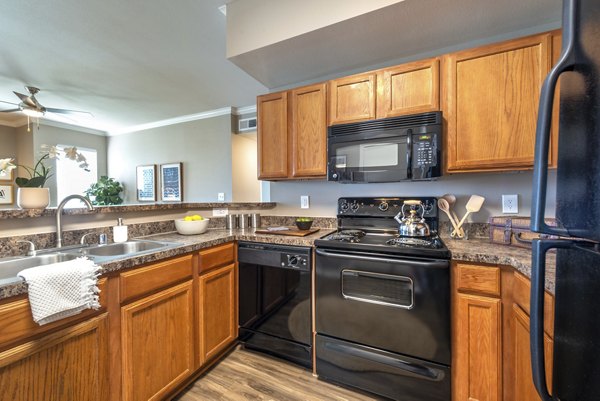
247,375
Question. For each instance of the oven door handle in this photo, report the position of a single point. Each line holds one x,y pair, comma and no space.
423,372
386,258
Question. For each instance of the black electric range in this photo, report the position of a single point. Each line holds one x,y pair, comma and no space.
383,303
368,225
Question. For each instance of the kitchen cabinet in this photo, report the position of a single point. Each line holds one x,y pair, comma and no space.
491,101
157,324
477,334
272,128
69,364
409,88
490,327
352,98
218,311
292,134
218,300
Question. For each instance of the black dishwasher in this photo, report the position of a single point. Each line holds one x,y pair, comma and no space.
275,312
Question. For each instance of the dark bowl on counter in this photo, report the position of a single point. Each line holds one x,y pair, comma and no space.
304,224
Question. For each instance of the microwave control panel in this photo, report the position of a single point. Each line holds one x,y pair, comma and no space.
424,150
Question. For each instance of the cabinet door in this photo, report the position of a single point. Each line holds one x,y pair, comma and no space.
272,112
491,104
309,131
352,98
477,349
218,311
409,88
71,364
522,380
157,343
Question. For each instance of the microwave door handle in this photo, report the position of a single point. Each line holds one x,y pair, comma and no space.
409,154
540,167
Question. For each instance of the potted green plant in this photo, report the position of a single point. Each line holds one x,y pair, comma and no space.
31,193
105,192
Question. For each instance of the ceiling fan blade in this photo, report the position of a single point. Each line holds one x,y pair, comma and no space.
9,111
26,99
66,111
13,104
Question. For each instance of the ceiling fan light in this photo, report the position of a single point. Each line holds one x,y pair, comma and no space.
32,113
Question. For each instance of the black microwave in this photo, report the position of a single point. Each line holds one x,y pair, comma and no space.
386,150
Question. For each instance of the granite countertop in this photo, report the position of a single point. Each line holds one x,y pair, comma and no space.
187,244
472,250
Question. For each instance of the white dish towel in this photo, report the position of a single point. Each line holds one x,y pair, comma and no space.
62,289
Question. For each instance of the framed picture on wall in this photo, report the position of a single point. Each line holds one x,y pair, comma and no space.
7,194
171,182
146,183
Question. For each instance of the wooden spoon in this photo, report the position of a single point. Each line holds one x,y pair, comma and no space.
445,207
451,199
473,206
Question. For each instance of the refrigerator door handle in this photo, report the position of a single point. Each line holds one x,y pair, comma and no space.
536,318
542,141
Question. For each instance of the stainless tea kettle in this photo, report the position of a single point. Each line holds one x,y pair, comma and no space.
412,225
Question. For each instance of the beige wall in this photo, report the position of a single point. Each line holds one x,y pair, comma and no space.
8,142
247,18
246,187
203,146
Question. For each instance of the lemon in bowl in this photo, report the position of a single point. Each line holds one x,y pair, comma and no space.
191,225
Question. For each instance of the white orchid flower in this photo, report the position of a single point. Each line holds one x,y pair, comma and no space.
71,153
6,165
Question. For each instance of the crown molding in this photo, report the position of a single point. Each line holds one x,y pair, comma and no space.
170,121
74,127
245,110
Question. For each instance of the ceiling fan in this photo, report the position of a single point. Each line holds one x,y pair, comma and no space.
30,106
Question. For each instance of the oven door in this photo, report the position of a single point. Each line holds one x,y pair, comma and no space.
372,160
398,304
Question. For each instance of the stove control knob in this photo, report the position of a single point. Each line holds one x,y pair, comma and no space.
383,206
344,206
354,207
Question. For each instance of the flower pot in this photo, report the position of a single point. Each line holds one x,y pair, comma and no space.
33,198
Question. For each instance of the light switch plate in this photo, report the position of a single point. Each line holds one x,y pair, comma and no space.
220,212
221,197
304,202
510,204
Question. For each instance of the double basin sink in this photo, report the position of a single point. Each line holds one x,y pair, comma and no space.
9,267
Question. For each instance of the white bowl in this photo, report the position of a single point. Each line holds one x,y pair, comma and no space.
191,227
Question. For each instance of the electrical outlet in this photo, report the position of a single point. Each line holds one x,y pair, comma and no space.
510,204
221,197
304,202
219,212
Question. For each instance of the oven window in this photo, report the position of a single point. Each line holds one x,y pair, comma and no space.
377,288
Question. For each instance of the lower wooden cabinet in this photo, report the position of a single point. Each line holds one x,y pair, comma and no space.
157,343
478,349
70,364
218,326
491,347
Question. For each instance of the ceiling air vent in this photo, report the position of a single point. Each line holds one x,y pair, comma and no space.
247,124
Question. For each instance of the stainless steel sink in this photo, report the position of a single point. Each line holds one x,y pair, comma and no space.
125,248
11,266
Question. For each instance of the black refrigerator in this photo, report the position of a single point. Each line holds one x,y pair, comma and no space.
576,354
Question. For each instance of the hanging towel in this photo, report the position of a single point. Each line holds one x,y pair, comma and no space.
62,289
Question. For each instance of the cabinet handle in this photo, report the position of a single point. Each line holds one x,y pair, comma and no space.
540,168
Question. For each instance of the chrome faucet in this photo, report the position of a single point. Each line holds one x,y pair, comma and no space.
59,211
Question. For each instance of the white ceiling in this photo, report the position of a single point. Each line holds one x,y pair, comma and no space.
135,62
128,62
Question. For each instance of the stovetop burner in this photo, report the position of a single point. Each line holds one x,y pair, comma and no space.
407,241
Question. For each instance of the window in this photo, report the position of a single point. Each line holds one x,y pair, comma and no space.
72,179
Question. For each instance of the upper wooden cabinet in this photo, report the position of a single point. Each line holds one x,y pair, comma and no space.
272,116
309,131
292,134
491,102
352,98
409,88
